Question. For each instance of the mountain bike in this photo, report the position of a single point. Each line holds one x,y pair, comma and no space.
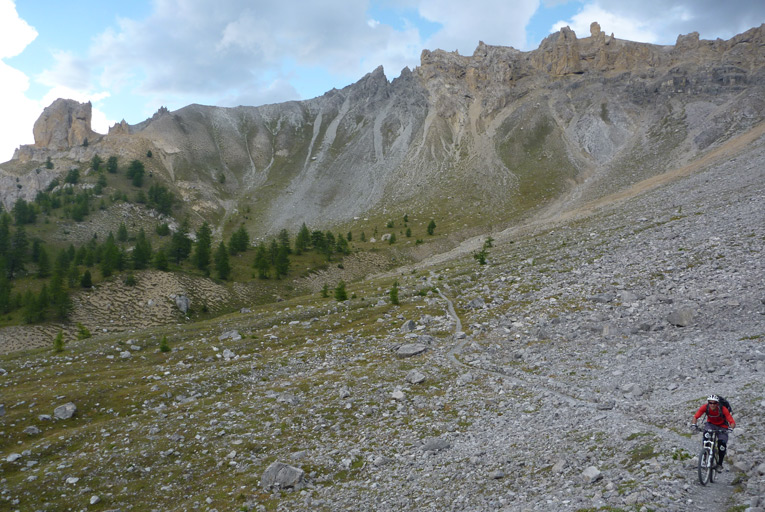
709,455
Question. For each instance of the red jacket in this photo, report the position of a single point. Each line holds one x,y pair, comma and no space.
721,419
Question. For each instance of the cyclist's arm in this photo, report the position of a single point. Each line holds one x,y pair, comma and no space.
699,413
729,418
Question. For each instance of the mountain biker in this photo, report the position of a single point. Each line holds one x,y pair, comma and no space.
719,419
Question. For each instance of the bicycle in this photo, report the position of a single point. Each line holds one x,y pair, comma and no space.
709,455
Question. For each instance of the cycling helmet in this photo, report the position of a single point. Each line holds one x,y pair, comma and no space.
713,398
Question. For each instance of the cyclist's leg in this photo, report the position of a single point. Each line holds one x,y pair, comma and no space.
722,445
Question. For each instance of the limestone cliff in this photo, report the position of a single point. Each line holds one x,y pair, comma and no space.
64,124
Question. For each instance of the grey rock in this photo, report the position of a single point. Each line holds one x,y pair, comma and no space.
477,303
436,444
126,354
230,335
408,326
32,431
183,303
282,476
415,377
465,378
682,317
228,354
591,475
13,457
411,349
2,410
64,412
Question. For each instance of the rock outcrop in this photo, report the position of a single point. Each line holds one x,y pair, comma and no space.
64,124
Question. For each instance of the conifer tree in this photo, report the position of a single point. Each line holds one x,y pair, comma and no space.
431,227
394,294
58,342
122,233
203,248
222,266
43,263
302,240
282,265
340,293
261,262
142,251
284,240
180,244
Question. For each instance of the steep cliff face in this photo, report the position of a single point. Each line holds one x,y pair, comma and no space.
502,132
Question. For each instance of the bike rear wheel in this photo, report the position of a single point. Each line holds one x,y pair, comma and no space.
705,467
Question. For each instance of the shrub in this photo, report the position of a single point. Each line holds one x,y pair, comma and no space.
58,342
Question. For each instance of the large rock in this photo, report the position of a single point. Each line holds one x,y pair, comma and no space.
682,317
64,124
283,476
183,303
411,349
64,412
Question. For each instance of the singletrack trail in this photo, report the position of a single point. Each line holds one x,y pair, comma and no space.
713,496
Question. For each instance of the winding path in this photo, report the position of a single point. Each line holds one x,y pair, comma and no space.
712,497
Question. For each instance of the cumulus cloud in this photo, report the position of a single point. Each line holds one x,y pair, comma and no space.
497,22
656,21
15,35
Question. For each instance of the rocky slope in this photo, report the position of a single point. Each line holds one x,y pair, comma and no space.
560,376
500,132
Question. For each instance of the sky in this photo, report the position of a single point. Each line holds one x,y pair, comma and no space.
129,58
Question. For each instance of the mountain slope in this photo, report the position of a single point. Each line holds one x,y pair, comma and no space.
500,132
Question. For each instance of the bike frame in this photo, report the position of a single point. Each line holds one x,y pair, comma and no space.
709,454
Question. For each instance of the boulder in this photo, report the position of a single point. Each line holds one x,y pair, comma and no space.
183,303
415,377
591,475
682,317
64,412
436,444
411,349
408,326
282,476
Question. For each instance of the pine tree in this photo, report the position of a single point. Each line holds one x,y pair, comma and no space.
135,172
340,293
58,342
163,345
261,262
284,240
431,227
203,248
43,263
122,233
394,294
160,260
325,291
240,241
142,251
180,244
302,240
282,265
87,280
222,266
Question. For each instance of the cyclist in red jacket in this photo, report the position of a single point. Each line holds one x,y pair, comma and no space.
718,418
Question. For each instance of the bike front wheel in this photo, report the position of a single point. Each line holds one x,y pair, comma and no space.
705,467
713,465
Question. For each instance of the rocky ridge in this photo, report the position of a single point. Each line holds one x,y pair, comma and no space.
505,130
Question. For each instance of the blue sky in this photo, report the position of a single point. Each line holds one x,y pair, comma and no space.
130,58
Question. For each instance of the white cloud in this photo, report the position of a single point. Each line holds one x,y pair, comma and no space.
630,28
15,35
495,22
659,22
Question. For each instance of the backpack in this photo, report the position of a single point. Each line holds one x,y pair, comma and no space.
723,403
